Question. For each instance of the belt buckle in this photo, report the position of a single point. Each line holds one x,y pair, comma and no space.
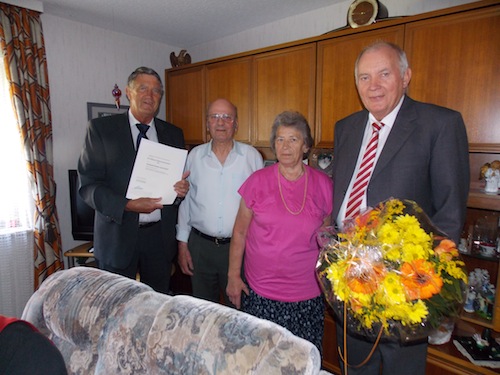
217,241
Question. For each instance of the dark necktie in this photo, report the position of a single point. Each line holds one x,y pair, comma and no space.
143,128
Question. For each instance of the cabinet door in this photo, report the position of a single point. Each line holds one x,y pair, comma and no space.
337,96
232,80
283,80
330,360
186,102
455,62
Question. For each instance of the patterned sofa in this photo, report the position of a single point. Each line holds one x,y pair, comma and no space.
107,324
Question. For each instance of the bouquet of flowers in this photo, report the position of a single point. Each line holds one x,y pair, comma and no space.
391,272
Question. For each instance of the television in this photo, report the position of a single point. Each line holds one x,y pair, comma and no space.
82,215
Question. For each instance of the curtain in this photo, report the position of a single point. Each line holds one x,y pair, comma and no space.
22,44
16,271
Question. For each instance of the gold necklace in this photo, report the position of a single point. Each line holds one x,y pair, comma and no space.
283,198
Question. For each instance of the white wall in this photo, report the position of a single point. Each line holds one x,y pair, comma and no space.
85,62
306,25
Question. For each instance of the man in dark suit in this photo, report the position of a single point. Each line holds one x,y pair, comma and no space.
422,155
130,235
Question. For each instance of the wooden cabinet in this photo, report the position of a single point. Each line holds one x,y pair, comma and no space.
283,80
260,86
233,80
455,61
330,345
185,96
482,205
454,55
337,96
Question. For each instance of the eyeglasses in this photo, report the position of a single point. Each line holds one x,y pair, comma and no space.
213,117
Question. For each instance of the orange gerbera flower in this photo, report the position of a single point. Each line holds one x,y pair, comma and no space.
420,280
446,250
364,277
368,220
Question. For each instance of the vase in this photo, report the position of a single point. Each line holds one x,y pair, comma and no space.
442,334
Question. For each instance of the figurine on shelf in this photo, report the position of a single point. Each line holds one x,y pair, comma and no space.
492,177
490,172
480,342
480,295
183,59
470,298
117,93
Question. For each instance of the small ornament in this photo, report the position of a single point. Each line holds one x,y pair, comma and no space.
117,93
183,59
469,300
490,173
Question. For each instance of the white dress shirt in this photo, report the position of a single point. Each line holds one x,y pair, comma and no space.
212,201
152,136
383,134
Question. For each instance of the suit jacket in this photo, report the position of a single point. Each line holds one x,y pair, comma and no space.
105,167
425,159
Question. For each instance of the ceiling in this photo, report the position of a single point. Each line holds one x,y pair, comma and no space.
180,23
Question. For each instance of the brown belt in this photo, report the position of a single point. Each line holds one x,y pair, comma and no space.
216,240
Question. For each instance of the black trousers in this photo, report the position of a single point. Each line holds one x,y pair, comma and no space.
24,351
389,358
210,262
151,260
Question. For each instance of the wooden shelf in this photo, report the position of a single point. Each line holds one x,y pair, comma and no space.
448,357
487,148
476,319
480,199
441,359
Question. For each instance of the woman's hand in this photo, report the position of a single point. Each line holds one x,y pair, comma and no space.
235,286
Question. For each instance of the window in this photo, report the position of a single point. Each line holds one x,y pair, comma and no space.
16,202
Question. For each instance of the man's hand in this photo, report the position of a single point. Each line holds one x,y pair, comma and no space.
184,259
182,187
144,205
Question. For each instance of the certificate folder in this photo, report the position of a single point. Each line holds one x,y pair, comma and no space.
156,169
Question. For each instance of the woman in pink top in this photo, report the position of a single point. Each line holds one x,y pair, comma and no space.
282,208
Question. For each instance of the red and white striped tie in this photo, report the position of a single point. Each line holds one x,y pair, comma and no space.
363,177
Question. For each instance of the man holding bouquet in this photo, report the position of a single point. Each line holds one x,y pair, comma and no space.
401,148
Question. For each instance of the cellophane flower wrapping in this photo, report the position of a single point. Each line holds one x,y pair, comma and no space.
391,269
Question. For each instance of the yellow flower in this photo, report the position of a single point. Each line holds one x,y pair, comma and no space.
392,290
386,268
335,273
409,313
455,269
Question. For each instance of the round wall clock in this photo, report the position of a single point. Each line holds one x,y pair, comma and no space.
365,12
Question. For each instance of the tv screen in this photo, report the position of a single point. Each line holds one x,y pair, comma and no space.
82,215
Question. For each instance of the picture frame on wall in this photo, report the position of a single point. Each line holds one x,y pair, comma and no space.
267,162
95,110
